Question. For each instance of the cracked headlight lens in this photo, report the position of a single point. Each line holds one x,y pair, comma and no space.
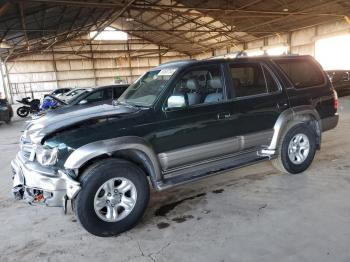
46,156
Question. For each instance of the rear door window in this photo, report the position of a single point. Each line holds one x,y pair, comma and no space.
249,79
96,96
302,72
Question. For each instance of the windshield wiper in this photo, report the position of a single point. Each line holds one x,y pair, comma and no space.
125,104
129,104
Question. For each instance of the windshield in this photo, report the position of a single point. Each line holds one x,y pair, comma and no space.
147,88
75,91
72,95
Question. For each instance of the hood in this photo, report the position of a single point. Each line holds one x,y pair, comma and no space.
37,129
67,109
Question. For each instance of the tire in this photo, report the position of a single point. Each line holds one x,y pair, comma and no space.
285,162
22,111
8,120
94,180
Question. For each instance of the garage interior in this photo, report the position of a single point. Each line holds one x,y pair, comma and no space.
53,44
251,214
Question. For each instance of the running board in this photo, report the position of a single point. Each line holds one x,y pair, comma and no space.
210,168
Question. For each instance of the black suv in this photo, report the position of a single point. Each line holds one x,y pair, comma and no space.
340,80
179,122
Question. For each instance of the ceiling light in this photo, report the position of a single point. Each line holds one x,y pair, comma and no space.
4,45
285,10
109,33
129,19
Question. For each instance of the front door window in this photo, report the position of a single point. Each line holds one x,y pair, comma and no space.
201,85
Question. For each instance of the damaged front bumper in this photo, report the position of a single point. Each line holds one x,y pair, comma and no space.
41,185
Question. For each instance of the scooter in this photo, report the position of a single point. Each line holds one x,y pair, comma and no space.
30,106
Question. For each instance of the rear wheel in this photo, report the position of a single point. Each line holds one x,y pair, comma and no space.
113,198
296,150
23,111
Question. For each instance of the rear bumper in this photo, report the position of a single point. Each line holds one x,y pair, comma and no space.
4,114
329,123
41,185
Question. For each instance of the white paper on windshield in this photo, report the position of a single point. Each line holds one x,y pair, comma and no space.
167,72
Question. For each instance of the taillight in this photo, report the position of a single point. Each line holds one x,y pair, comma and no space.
336,101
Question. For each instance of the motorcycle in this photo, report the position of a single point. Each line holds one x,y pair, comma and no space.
30,106
48,103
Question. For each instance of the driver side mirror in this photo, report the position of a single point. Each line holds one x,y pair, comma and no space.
83,102
176,101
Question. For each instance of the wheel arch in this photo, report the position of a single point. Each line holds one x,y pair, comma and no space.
133,149
291,117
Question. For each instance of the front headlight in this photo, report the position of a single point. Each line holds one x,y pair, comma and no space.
46,156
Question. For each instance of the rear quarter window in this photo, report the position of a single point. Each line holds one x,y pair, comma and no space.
302,72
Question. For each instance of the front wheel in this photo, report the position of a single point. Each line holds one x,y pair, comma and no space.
23,111
113,198
296,150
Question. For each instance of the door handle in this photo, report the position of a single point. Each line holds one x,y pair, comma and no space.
224,115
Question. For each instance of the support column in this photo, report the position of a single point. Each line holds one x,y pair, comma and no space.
3,79
54,67
266,43
289,42
129,62
245,46
7,82
93,65
159,56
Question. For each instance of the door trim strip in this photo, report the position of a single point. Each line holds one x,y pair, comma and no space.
204,151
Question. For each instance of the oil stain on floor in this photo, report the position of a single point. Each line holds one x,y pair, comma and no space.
182,219
218,191
164,210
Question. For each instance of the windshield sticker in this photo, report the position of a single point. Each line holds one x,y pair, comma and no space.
167,72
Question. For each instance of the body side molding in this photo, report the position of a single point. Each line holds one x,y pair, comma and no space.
205,151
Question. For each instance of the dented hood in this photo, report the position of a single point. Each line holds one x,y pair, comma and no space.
37,129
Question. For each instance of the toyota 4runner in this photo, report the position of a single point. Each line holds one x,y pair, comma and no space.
179,122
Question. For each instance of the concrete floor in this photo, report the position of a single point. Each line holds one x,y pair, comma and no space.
251,214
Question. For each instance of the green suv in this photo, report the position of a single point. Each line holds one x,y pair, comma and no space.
179,122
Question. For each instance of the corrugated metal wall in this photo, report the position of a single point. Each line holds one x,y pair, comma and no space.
95,65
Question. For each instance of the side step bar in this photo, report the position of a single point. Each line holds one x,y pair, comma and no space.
210,168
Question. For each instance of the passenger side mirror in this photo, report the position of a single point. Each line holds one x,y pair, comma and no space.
176,101
83,102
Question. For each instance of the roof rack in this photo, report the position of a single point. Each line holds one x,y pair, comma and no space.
178,61
231,55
